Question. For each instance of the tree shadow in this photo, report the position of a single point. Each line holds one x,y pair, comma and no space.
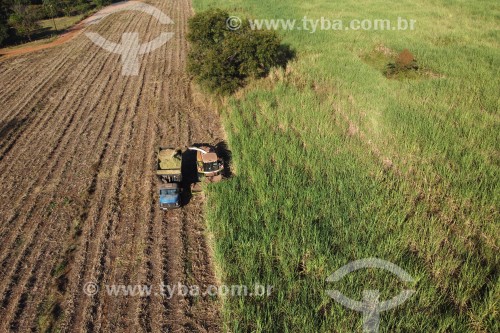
46,32
40,33
286,54
223,151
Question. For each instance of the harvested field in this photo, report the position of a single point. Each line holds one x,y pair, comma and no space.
77,162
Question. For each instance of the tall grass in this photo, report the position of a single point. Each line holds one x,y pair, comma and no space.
335,162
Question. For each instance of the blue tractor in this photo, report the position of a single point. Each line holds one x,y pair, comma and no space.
170,196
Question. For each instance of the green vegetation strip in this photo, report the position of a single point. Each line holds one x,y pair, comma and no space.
336,162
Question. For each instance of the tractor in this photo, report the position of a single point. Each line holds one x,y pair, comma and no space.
209,166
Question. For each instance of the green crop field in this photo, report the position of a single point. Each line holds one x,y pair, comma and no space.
334,162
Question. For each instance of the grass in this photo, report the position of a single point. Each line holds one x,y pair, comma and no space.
61,23
336,162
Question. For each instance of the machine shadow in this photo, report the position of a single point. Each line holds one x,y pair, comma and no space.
189,175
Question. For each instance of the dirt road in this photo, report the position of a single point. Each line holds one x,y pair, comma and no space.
78,189
66,36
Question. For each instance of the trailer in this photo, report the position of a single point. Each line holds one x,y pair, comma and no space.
168,170
169,162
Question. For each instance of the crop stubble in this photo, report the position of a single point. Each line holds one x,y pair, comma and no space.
79,191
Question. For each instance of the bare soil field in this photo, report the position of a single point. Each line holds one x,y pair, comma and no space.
79,202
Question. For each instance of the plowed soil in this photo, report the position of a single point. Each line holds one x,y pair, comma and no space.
78,189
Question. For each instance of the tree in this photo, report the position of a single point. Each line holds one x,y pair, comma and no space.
222,59
51,9
23,20
101,3
4,14
3,30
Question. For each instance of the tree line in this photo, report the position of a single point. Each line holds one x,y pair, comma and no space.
19,18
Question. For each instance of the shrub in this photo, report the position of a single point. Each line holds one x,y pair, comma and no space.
405,62
222,59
